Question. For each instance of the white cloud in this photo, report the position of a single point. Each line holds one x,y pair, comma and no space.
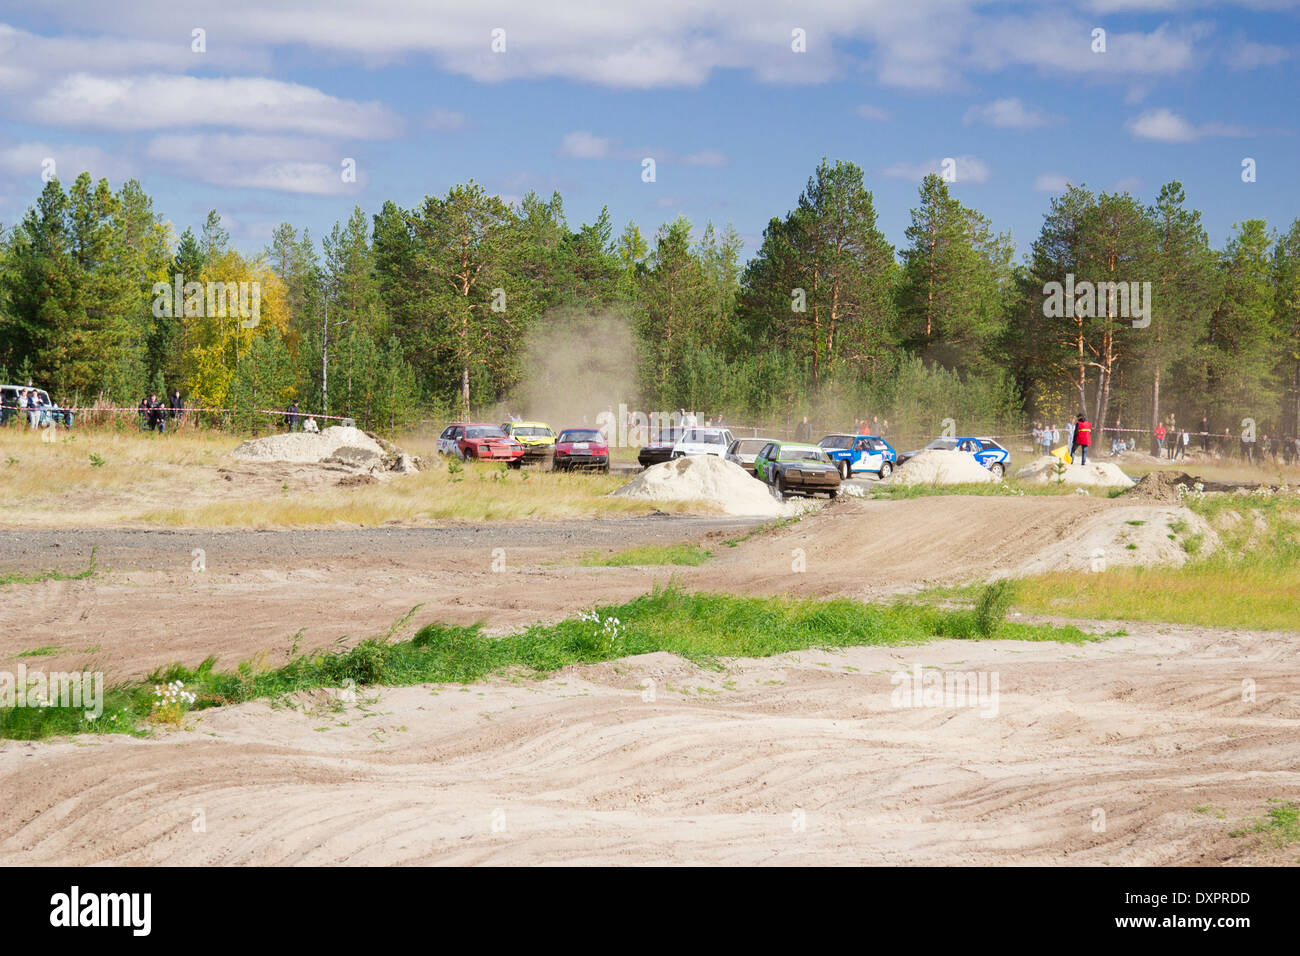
24,160
442,120
873,113
581,144
167,102
1051,183
921,44
248,161
1249,56
1008,113
1166,126
969,169
709,157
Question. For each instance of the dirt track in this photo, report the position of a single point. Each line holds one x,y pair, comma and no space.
260,588
798,759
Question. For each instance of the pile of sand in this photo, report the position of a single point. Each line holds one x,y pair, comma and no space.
1163,486
337,441
1043,471
938,467
710,480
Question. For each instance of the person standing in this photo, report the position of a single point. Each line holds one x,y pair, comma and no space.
1160,439
1082,439
1184,439
1205,435
291,415
155,414
803,431
177,407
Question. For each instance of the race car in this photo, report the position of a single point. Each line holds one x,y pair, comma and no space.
581,448
660,448
793,468
703,441
536,437
859,454
742,452
986,451
480,442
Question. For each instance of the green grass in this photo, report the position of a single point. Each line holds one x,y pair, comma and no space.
703,628
43,651
1003,489
764,528
1280,825
686,554
1251,581
50,575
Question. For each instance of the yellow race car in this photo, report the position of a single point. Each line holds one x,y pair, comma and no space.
536,437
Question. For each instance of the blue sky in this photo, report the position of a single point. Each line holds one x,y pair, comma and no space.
736,119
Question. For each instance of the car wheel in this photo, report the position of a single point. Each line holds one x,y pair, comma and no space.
779,485
998,469
517,463
886,470
832,494
844,470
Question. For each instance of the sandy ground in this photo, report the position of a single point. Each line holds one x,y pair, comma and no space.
1135,750
259,589
798,759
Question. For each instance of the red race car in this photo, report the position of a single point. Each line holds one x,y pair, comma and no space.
474,442
581,448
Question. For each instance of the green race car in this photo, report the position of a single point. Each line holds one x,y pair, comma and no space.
795,468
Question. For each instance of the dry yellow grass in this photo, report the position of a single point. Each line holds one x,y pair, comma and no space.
174,481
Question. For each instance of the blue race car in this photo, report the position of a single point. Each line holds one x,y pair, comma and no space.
859,454
986,451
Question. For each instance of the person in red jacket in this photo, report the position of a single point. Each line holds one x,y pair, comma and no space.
1082,439
1160,439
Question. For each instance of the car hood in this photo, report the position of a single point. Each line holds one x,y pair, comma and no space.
700,448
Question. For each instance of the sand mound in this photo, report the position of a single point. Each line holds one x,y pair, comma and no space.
1042,470
337,441
709,480
936,467
1163,486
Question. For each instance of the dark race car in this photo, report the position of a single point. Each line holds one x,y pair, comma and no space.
581,448
660,447
793,468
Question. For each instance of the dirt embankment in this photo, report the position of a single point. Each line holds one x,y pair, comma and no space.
1133,751
149,605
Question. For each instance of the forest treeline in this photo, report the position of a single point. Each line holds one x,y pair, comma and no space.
430,311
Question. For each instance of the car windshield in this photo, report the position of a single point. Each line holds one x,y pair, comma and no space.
484,431
531,431
837,442
802,453
943,444
704,436
580,435
665,436
750,446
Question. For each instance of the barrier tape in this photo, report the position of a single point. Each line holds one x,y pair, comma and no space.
168,410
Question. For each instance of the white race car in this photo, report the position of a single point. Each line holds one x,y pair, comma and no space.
703,441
